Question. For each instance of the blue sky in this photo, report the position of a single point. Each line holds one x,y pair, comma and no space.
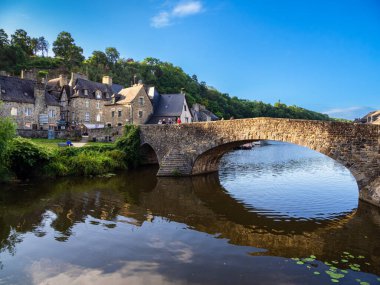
322,55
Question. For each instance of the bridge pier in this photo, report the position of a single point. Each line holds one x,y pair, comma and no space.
196,148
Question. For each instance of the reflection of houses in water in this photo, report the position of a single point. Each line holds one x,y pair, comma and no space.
199,202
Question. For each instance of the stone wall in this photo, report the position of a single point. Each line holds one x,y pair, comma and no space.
196,148
43,134
102,134
28,113
78,109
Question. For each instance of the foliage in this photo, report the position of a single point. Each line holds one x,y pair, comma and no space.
21,39
84,161
7,132
17,54
129,143
26,158
65,48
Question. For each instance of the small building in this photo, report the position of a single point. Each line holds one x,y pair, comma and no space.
29,103
201,114
371,118
169,108
129,106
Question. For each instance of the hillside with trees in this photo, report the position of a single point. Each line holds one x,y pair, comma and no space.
20,51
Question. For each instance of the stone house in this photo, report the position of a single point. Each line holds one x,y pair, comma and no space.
201,114
129,106
169,108
29,103
370,118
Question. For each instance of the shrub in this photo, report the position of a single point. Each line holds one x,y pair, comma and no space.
129,143
7,132
26,158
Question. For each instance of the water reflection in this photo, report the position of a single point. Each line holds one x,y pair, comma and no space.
134,228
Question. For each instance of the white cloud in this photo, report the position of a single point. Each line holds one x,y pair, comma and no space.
349,113
161,20
183,9
186,9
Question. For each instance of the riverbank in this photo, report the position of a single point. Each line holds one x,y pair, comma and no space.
28,158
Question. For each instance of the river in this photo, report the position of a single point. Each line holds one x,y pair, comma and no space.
276,214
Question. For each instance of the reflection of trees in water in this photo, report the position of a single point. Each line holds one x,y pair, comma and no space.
199,202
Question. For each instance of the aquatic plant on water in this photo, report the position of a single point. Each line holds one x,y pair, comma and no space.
348,262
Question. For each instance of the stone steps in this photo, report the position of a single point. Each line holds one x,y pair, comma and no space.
174,164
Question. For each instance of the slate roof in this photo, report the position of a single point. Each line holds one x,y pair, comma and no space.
52,99
170,105
203,114
17,89
116,88
91,86
127,95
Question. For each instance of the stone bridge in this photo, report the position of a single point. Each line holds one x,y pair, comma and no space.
191,149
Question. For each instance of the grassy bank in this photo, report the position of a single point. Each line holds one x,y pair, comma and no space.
28,158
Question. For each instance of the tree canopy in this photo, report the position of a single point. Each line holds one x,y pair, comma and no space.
21,52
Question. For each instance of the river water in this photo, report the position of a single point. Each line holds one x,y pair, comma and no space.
277,214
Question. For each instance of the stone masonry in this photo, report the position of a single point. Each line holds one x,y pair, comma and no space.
191,149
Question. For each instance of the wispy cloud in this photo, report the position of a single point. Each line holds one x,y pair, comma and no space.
161,20
182,9
187,9
349,113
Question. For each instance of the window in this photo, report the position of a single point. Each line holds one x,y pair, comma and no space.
87,117
186,119
28,111
14,111
98,105
119,113
98,94
140,114
87,104
51,113
73,116
85,92
141,101
184,107
107,95
113,114
98,117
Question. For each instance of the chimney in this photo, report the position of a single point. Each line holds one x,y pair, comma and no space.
22,74
107,80
62,80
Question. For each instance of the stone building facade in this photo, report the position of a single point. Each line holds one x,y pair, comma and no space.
28,103
130,106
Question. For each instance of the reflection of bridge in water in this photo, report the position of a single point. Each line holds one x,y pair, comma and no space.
196,148
199,202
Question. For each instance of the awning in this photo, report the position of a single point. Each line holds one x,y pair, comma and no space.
94,126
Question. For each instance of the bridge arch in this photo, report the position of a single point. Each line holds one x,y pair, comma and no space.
148,154
190,149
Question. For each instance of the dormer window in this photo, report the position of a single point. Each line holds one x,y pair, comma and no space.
107,95
85,92
98,94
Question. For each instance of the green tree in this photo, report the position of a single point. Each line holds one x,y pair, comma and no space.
21,39
34,45
112,55
65,48
42,45
3,38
